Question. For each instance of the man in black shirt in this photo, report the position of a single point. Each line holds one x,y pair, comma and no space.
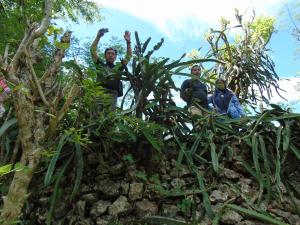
194,92
107,76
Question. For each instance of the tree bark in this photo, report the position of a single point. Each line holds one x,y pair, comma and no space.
33,123
32,136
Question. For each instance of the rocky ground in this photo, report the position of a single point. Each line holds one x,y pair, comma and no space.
122,192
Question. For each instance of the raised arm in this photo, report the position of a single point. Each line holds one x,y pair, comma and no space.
129,50
100,34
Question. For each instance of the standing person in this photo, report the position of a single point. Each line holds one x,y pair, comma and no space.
4,89
225,101
194,92
107,75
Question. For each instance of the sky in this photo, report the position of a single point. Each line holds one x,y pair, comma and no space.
182,24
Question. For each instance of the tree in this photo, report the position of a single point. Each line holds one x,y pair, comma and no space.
34,97
247,66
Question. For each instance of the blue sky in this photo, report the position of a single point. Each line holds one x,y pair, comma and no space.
182,24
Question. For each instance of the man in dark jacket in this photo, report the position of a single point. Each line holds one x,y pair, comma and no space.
107,75
194,92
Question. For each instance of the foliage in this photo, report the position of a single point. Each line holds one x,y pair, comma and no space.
262,28
247,67
153,123
16,14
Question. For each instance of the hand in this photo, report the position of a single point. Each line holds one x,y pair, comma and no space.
127,36
102,31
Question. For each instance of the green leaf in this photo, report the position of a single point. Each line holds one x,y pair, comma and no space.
6,125
214,157
254,146
163,220
60,45
52,164
206,201
55,192
295,151
127,130
128,158
151,139
266,166
141,175
5,169
146,44
256,215
180,157
79,169
195,145
286,136
278,137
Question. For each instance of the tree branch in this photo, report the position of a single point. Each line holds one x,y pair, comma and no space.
34,32
60,114
5,57
57,58
46,20
37,82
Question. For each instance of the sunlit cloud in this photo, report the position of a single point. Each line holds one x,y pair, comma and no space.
190,18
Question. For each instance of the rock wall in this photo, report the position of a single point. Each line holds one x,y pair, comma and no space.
122,192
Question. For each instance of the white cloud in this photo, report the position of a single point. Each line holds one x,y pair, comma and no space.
178,19
289,85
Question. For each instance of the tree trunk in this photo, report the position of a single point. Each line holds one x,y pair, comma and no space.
32,136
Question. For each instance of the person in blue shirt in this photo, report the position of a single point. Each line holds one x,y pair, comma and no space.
225,101
194,92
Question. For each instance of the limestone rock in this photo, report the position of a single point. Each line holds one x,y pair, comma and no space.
80,221
182,171
124,188
218,196
206,221
120,206
293,219
90,198
136,191
231,217
101,221
104,220
230,174
177,183
216,208
80,206
145,208
117,169
108,188
251,222
86,188
169,210
100,208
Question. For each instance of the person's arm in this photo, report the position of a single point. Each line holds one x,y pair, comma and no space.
100,34
129,50
235,109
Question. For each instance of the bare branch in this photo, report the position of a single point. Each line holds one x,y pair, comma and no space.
34,32
57,58
37,82
46,20
74,91
5,57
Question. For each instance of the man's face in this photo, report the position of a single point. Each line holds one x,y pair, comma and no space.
196,71
220,85
110,56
